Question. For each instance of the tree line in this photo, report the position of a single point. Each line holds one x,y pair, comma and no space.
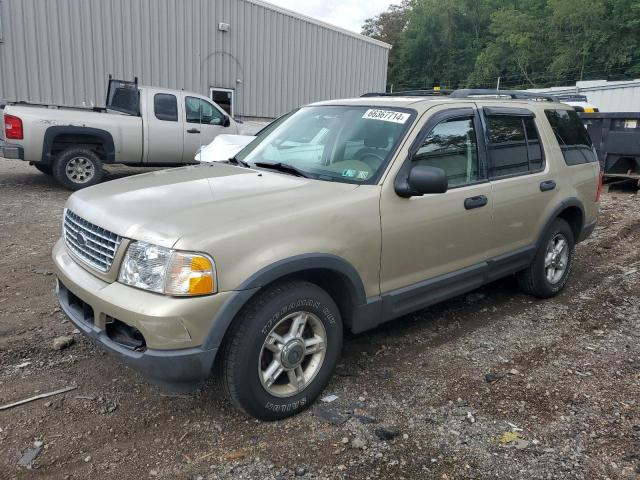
524,43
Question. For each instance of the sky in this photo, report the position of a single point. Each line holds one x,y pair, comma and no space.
348,14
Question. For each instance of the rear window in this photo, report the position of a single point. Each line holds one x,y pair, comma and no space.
572,136
514,146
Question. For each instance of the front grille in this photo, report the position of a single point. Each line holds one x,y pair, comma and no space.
94,245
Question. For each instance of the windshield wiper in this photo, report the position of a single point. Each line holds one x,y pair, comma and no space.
236,161
284,167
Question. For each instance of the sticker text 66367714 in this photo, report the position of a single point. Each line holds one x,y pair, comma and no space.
386,115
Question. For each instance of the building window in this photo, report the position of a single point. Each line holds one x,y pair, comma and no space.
165,107
224,98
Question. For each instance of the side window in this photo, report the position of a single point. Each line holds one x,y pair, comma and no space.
507,146
451,146
200,111
165,107
572,136
514,146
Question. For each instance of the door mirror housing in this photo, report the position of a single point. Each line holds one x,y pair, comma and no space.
226,121
423,180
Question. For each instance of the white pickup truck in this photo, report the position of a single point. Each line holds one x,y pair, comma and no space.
140,126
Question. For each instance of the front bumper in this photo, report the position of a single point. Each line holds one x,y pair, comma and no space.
174,329
12,152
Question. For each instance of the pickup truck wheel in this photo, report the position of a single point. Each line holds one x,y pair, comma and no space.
550,269
46,169
77,167
281,351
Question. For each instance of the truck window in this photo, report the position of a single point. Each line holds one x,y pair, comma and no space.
200,111
451,146
514,146
165,107
572,137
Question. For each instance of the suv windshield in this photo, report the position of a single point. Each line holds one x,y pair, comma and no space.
335,143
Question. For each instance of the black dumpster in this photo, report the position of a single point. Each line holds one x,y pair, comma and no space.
616,138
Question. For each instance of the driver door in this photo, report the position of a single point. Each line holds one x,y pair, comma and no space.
433,244
202,123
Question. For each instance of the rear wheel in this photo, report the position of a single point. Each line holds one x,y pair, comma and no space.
550,269
46,169
281,351
77,167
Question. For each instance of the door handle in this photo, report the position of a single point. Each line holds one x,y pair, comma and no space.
475,202
193,130
547,185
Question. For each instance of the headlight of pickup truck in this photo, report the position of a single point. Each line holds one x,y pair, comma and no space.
167,271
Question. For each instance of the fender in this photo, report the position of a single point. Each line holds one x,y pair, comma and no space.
564,204
52,132
271,273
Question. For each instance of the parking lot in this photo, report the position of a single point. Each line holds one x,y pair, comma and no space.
493,384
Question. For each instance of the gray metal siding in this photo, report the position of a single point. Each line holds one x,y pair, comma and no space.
61,52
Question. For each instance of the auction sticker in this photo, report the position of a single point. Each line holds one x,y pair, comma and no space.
386,115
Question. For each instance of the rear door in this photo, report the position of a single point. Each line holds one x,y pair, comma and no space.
523,183
203,122
163,128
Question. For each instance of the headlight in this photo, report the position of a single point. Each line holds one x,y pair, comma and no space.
167,271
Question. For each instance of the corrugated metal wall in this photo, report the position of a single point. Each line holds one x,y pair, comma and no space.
62,51
608,96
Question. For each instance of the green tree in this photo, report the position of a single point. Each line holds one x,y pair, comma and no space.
527,43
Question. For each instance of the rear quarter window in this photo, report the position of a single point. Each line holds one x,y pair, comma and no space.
572,136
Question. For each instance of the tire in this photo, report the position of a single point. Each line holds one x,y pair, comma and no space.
46,169
77,167
245,360
537,279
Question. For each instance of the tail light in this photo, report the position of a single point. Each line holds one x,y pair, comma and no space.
13,127
599,191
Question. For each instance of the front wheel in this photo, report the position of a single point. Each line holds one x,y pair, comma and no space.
77,167
282,349
551,266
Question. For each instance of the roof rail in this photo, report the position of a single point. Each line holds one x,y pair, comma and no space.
515,94
410,93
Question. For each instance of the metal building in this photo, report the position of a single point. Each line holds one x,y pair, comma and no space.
255,59
608,96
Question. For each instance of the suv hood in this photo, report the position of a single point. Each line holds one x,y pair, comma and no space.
161,207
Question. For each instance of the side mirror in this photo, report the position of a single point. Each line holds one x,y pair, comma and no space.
423,180
226,121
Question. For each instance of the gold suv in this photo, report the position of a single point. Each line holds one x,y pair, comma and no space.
339,216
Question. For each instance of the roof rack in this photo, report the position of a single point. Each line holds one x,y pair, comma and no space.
466,93
411,93
514,94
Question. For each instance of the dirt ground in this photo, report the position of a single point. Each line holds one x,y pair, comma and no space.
428,396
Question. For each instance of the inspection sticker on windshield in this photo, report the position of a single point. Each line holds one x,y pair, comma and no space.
386,115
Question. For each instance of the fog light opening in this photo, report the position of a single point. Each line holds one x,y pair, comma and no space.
125,335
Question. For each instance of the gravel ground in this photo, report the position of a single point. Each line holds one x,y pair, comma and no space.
493,384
